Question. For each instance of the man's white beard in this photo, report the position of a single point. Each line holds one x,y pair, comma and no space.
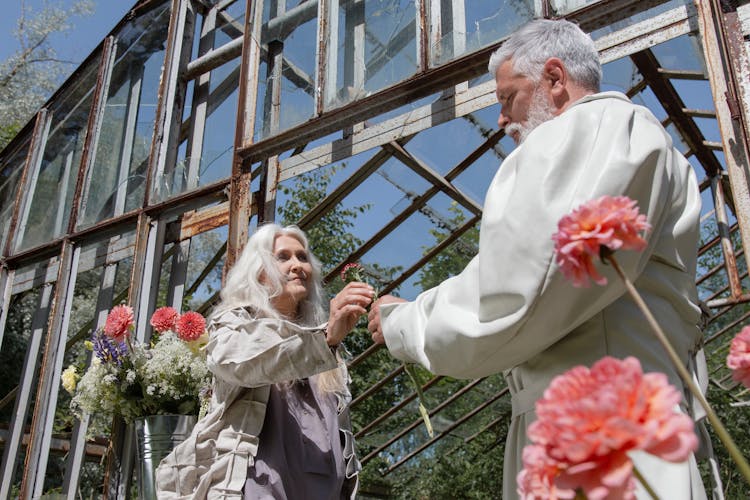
540,111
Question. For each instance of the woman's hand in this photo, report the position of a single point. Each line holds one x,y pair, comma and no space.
346,308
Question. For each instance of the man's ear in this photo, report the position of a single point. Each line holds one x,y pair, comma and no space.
556,75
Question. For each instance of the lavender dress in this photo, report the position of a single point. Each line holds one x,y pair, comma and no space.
300,448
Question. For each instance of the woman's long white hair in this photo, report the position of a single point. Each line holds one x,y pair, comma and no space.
244,288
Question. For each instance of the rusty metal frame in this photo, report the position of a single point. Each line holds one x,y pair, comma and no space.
240,199
230,201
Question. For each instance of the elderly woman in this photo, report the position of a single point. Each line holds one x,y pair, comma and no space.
278,425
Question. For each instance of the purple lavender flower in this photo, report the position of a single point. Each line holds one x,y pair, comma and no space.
107,349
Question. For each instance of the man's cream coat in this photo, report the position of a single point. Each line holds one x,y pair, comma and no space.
512,311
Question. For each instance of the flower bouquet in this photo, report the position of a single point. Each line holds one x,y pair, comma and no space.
132,380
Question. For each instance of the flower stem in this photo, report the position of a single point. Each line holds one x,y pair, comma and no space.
422,407
645,484
721,431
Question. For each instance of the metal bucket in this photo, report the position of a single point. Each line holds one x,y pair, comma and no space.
156,435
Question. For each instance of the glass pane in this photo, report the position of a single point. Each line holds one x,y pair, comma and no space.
373,46
565,6
483,22
287,74
119,168
628,21
9,177
51,194
681,53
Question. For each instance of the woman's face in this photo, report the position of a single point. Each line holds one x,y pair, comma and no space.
295,268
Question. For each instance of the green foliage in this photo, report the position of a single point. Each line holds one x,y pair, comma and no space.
725,396
330,237
33,71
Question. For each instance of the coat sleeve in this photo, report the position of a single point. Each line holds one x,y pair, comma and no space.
511,301
253,352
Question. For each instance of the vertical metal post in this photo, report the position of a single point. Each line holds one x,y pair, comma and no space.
240,202
201,89
6,287
37,451
731,121
354,48
328,53
25,386
433,20
178,275
62,194
727,248
93,131
151,262
272,118
354,56
171,101
76,455
131,122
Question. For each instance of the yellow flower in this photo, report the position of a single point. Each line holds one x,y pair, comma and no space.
70,379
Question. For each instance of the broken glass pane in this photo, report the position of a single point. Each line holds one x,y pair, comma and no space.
462,27
635,18
286,90
372,46
53,181
116,182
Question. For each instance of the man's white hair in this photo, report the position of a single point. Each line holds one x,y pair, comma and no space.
537,41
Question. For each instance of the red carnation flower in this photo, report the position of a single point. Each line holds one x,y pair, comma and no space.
190,326
164,319
119,321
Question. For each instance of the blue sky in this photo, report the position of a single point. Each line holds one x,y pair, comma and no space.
74,45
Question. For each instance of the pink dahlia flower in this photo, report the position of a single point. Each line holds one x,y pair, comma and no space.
738,359
164,319
119,322
588,419
612,222
190,326
537,479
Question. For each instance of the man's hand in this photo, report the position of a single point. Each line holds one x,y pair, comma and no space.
373,317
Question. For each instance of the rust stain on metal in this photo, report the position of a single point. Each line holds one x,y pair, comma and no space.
200,221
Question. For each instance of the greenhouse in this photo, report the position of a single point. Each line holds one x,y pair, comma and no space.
373,126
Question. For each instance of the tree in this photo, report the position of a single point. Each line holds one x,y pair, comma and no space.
30,75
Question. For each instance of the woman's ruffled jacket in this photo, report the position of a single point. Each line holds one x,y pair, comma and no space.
213,462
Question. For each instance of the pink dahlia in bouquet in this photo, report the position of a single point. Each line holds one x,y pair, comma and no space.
119,323
190,326
164,318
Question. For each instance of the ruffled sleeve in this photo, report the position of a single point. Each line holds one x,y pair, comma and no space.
253,352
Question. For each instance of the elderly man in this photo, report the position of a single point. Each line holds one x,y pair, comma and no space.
511,309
